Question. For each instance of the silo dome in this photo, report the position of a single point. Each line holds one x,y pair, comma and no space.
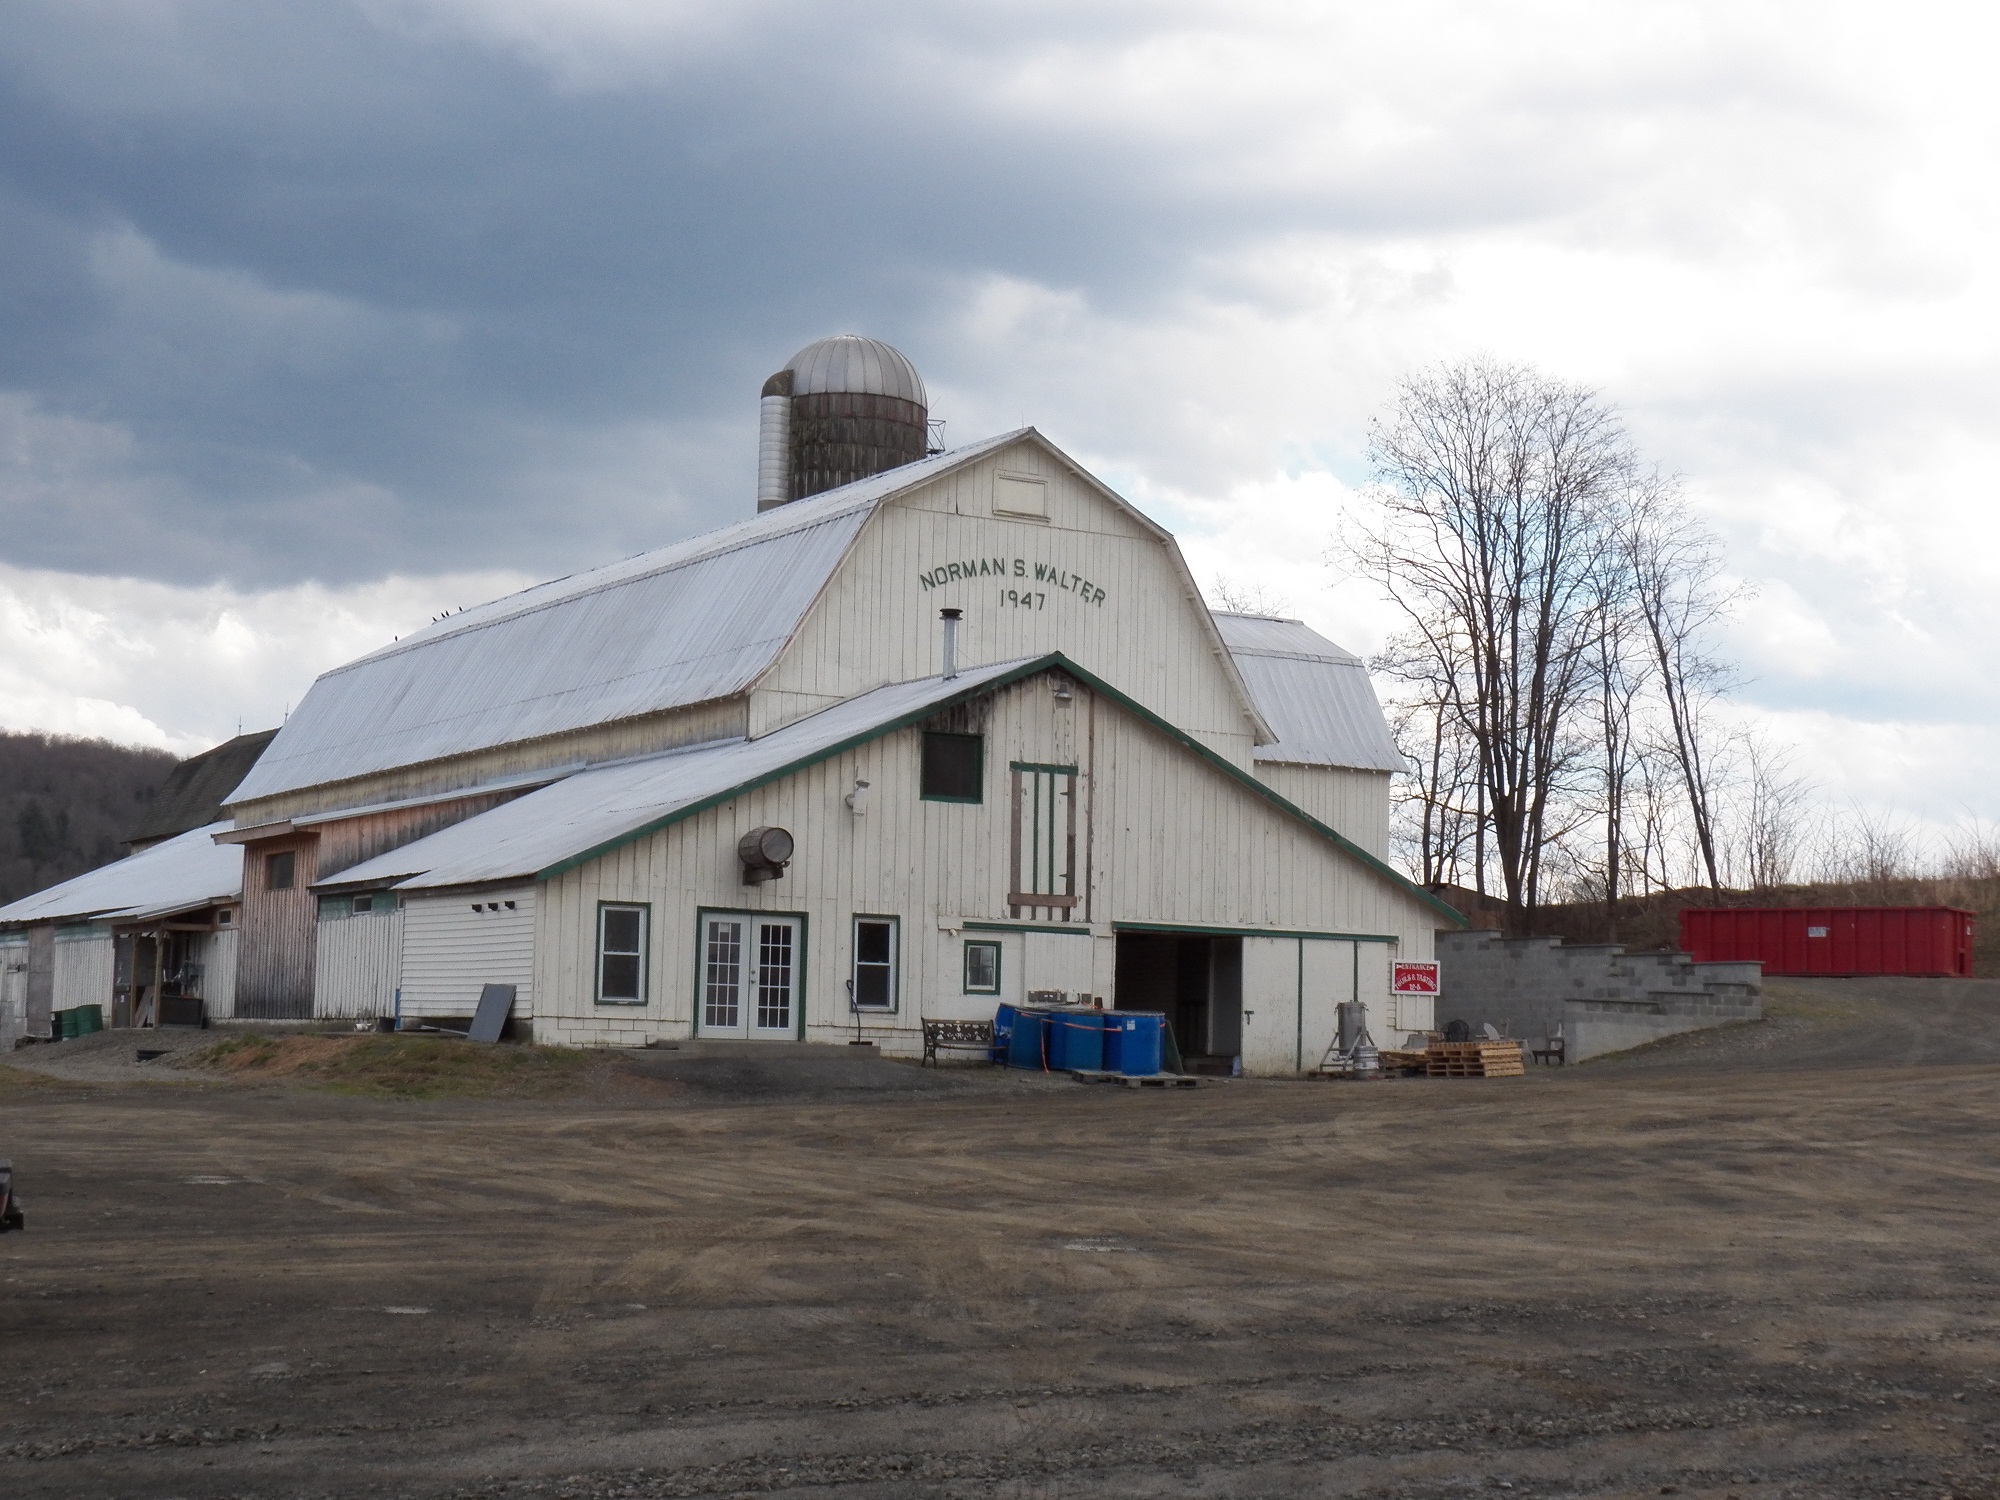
849,362
840,410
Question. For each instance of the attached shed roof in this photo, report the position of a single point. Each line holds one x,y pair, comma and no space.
685,624
193,791
593,812
565,823
1316,696
184,872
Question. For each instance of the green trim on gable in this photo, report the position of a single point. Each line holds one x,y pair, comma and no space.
1052,661
1203,929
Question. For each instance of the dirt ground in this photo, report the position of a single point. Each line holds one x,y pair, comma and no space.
1755,1264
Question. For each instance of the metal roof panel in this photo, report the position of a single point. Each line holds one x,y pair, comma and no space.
519,839
1316,696
185,871
682,625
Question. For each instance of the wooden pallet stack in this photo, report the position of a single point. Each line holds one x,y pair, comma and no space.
1473,1060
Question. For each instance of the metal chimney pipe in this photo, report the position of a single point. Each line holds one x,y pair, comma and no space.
951,619
774,442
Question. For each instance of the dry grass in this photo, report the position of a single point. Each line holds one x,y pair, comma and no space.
402,1067
20,1081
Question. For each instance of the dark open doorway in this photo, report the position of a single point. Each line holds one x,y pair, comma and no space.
1197,981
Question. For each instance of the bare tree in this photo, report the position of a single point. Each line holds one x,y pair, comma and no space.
1676,570
1231,596
1500,489
1772,829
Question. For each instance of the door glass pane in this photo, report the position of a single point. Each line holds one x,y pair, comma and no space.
722,1007
774,976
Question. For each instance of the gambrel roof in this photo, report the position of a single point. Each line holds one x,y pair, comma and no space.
692,623
1316,696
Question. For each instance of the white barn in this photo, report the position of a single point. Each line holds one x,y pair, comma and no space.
924,734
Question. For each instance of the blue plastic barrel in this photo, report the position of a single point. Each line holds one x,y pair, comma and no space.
1114,1040
1003,1032
1140,1042
1024,1046
1076,1040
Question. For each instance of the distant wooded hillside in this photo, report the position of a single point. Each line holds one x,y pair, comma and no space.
67,806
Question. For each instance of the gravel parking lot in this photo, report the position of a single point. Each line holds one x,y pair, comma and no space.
1754,1264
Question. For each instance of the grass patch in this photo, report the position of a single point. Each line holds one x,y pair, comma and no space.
21,1080
402,1067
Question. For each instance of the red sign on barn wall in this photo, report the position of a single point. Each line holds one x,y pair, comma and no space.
1415,979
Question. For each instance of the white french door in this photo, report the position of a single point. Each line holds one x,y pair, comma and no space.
750,975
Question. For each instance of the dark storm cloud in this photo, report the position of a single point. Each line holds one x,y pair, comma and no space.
335,295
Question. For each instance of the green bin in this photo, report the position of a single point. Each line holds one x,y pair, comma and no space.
89,1018
62,1024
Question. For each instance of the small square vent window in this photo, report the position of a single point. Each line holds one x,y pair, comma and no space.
1021,495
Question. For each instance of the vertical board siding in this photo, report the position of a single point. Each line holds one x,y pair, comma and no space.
358,964
13,988
877,623
84,965
216,953
450,951
1352,803
41,987
274,964
1173,840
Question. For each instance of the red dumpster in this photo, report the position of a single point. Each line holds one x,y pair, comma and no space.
1834,940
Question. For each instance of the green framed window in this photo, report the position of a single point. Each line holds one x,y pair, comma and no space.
876,961
621,952
982,967
954,768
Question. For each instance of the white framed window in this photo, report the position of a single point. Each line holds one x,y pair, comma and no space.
876,941
621,952
982,967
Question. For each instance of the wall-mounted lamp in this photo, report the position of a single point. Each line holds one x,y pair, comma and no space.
857,800
1060,688
764,853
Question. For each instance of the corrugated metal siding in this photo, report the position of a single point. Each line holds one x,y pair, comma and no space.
1171,840
358,963
450,950
1838,940
682,625
83,967
1316,696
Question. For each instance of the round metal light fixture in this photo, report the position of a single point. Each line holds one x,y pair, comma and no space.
764,852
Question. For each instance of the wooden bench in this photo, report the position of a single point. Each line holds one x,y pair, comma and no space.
957,1036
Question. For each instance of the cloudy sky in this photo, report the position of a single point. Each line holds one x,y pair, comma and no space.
317,320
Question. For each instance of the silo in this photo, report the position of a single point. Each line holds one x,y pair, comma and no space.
840,410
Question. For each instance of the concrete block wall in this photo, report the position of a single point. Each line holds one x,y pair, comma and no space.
1602,997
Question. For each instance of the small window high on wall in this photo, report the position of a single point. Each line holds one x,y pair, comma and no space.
280,870
954,767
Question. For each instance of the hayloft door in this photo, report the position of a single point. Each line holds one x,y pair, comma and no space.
750,976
